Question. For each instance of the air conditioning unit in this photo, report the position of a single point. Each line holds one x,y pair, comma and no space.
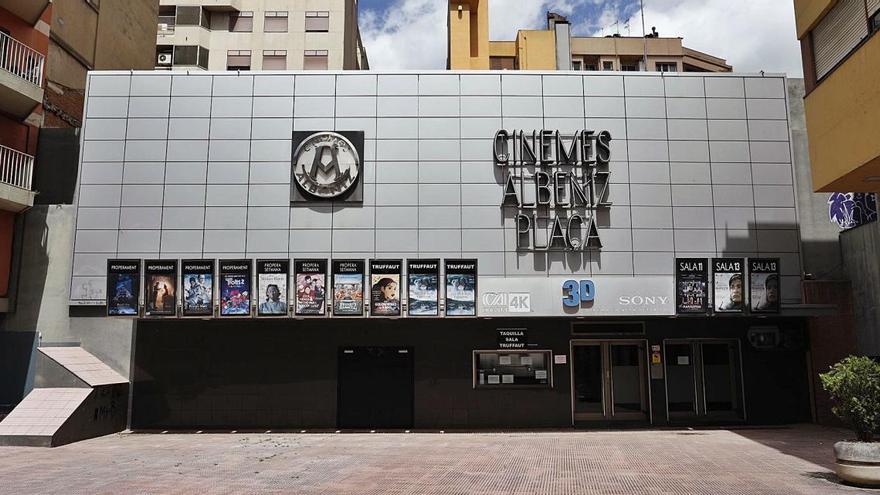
163,26
163,59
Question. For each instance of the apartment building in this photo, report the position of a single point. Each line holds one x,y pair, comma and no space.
259,35
554,48
840,55
24,42
46,50
93,35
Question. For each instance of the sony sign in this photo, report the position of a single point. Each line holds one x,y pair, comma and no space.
643,300
556,182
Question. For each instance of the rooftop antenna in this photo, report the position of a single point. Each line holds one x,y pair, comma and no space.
644,39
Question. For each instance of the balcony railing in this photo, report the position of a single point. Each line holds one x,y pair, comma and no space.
166,24
21,60
16,168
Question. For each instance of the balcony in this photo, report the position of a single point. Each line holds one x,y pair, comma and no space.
28,10
166,24
221,5
21,77
16,172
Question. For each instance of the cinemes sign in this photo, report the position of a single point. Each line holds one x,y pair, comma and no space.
557,183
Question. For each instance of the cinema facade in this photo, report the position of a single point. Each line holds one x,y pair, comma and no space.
445,250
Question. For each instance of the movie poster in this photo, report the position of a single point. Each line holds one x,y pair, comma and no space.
423,293
764,285
235,287
461,287
272,277
311,287
385,287
348,287
729,278
160,288
123,287
691,285
197,284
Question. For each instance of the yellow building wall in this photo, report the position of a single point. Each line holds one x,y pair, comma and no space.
469,34
843,123
502,48
808,12
536,50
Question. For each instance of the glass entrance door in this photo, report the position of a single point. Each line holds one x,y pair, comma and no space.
609,381
704,380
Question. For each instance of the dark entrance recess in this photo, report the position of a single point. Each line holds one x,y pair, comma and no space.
375,387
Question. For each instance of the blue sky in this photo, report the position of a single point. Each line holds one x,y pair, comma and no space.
753,35
586,17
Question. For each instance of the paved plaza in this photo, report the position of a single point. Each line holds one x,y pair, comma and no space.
747,461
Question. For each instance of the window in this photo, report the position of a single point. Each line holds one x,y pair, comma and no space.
188,16
275,22
182,55
576,65
607,65
590,67
629,67
315,60
238,60
875,21
242,22
186,55
167,18
496,369
203,58
206,19
666,67
837,34
317,22
502,63
274,59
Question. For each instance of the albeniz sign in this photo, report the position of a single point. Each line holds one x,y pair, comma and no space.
326,166
557,183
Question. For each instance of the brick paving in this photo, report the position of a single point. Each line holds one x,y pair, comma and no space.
794,460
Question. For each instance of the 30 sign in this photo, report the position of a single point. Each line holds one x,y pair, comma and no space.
577,292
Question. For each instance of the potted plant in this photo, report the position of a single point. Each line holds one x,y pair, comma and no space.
854,386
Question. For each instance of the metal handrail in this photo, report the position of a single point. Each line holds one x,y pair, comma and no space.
21,60
168,21
16,168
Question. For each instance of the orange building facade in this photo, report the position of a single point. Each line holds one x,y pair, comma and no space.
24,46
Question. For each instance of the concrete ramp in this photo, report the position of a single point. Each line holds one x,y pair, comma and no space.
77,397
36,419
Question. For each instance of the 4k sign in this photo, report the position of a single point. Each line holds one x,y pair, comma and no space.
507,302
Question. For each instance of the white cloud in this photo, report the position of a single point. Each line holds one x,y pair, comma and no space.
414,37
752,35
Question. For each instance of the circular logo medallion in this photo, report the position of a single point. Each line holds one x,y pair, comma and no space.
326,165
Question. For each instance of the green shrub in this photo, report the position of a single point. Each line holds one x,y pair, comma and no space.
854,386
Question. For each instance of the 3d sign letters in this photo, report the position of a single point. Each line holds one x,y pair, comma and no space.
575,293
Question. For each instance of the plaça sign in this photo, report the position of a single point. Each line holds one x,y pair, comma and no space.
604,295
556,182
